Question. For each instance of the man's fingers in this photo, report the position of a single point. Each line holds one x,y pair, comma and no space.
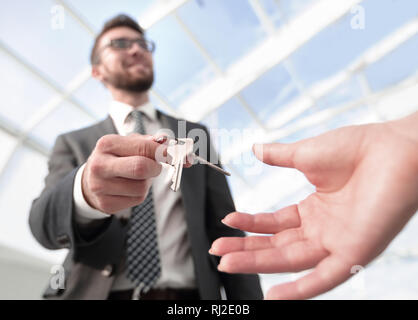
125,187
132,145
269,223
133,167
295,257
327,275
226,245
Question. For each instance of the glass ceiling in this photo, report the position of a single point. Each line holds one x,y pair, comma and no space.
272,70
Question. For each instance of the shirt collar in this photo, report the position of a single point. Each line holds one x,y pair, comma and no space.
119,111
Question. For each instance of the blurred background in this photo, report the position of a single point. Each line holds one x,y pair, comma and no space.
283,70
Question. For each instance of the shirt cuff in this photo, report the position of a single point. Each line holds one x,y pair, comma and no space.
83,212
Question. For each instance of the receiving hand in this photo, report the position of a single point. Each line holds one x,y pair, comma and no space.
366,180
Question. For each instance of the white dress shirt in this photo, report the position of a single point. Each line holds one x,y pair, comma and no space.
177,270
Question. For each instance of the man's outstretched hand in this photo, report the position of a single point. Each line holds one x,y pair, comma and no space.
366,180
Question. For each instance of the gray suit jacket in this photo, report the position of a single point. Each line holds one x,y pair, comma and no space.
94,258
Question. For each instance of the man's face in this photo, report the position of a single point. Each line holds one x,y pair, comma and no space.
128,69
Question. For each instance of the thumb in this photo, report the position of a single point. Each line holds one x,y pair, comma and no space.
276,154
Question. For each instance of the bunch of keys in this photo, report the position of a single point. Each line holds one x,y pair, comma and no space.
179,150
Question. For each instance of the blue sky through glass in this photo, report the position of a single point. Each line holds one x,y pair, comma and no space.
179,68
225,32
394,67
270,92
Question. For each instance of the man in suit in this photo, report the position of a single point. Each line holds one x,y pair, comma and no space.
101,177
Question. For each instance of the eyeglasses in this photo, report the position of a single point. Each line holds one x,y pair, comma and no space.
125,43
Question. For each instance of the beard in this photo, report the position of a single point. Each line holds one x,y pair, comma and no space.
130,83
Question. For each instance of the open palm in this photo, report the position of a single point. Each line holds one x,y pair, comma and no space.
366,180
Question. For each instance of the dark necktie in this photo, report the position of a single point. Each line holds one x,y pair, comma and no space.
143,259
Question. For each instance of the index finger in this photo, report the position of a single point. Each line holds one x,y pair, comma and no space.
133,145
276,154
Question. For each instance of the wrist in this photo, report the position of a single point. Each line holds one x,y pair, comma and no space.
84,189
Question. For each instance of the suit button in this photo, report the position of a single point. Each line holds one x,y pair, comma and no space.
107,270
124,220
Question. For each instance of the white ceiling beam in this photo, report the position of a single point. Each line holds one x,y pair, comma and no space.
267,55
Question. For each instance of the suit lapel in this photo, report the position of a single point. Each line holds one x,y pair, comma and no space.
107,127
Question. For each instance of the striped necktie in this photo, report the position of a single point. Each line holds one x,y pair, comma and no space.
143,259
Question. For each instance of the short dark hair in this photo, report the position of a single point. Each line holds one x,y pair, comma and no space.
121,20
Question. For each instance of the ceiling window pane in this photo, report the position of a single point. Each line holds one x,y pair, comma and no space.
7,143
49,38
179,67
349,90
226,29
22,93
399,64
268,94
345,92
227,128
274,11
95,97
291,8
66,117
339,44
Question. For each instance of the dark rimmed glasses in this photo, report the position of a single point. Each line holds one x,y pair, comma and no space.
126,43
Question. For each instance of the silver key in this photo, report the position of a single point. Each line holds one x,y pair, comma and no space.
192,157
178,151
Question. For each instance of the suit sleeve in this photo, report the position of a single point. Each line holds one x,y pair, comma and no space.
51,215
218,204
